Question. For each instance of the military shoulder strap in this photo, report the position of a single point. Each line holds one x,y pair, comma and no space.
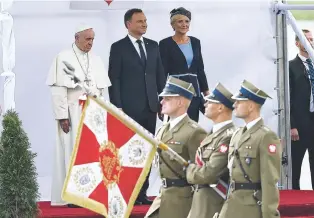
236,154
246,176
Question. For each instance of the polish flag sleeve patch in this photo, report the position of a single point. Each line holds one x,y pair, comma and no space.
223,148
272,148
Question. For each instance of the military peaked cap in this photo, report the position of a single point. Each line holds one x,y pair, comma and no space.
250,92
221,95
177,87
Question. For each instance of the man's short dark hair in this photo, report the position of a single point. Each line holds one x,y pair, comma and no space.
304,31
128,15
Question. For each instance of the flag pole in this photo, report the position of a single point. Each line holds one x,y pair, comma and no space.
173,154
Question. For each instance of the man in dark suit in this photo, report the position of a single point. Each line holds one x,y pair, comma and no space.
137,76
301,77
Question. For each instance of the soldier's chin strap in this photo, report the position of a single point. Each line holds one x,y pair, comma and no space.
246,176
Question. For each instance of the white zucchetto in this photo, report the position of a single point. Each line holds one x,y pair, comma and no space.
82,27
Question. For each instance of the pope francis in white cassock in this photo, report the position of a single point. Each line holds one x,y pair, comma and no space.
74,73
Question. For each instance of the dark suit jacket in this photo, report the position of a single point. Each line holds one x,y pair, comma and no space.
300,94
134,87
174,61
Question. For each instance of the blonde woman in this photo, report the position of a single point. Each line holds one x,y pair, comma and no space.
182,58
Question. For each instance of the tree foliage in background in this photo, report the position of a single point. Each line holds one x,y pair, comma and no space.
18,176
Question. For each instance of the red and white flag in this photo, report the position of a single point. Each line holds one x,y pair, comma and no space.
110,161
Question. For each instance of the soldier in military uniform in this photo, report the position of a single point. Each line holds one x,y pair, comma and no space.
184,136
254,161
212,156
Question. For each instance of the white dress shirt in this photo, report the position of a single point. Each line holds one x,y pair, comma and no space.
303,59
220,125
252,123
137,47
176,120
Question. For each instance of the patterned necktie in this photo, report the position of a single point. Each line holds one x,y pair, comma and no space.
311,73
142,53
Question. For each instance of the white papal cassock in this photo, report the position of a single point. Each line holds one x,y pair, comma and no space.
65,99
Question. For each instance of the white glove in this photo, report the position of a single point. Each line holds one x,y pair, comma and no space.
216,215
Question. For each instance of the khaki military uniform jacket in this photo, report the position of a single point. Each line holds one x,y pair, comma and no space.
214,153
260,154
184,138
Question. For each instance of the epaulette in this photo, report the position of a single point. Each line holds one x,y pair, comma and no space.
194,125
235,132
266,128
229,132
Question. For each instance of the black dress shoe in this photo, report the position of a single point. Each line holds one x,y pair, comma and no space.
143,200
73,206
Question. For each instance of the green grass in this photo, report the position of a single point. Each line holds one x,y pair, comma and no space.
302,15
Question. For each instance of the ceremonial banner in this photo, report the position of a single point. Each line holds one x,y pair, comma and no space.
110,161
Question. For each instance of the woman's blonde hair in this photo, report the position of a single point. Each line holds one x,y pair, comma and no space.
176,17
